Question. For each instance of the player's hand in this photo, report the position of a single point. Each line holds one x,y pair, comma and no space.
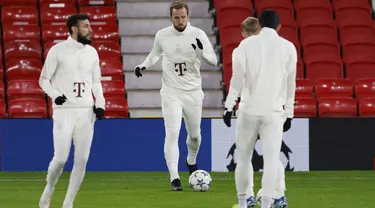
99,113
287,124
60,100
138,70
227,117
199,44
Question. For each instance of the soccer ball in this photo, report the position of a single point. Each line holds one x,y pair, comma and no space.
200,180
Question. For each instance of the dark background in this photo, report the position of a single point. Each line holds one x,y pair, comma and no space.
342,143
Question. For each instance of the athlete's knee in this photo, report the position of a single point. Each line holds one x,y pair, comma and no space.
171,136
81,161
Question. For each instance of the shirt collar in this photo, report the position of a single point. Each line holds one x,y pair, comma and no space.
268,31
75,43
178,32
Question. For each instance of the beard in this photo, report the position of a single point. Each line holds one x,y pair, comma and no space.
83,39
180,29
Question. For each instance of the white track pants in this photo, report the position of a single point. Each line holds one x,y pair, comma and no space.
270,130
176,105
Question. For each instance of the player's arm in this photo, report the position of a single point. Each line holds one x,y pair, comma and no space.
237,80
48,71
97,88
291,82
208,52
155,53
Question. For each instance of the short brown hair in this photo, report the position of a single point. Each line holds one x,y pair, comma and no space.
179,4
250,25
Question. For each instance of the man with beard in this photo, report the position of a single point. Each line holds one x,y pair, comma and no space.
70,76
182,46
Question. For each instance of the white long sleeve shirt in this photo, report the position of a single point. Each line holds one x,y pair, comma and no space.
72,69
181,63
264,72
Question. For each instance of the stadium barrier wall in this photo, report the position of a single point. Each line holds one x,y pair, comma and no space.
138,145
118,145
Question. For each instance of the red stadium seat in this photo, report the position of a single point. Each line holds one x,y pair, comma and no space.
230,36
365,88
111,70
3,113
19,50
354,25
356,45
305,107
308,9
289,31
227,75
23,69
359,67
24,33
114,89
54,33
116,108
323,66
366,107
237,16
20,15
220,4
300,70
348,9
105,33
100,14
227,52
284,8
320,44
56,3
333,88
96,2
24,89
1,72
337,107
56,15
107,49
317,26
18,2
304,88
27,108
2,90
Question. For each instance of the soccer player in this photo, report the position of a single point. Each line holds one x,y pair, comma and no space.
265,73
182,47
70,77
250,26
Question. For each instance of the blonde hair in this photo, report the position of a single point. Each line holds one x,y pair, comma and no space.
250,26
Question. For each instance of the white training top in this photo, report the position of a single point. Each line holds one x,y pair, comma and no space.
73,69
265,66
181,63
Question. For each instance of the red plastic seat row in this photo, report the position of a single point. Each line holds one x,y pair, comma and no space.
31,89
361,88
37,108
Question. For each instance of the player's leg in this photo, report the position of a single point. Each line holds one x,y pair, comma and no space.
251,201
280,199
172,114
245,137
62,140
192,113
271,132
82,138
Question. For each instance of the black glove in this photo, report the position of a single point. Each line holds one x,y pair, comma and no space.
227,117
199,43
99,113
138,71
60,100
287,124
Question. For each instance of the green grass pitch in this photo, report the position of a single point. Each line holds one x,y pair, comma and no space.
152,190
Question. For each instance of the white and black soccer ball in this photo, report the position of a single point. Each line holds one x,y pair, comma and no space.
200,180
